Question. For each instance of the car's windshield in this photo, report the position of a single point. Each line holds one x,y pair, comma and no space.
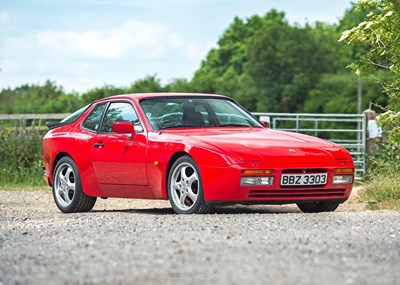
176,112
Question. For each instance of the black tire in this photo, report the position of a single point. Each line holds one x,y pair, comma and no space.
185,188
318,207
67,188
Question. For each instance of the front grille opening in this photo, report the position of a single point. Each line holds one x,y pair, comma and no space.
297,193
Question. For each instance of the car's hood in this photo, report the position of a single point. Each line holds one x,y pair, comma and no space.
272,146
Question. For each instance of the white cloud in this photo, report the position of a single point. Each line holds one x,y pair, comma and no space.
4,16
144,39
9,65
80,60
132,39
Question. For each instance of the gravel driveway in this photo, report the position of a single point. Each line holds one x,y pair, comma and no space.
143,242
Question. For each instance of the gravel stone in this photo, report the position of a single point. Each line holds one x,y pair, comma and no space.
143,242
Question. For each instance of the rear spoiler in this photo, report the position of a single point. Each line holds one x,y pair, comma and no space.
53,125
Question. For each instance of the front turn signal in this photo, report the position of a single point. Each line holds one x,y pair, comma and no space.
343,170
258,171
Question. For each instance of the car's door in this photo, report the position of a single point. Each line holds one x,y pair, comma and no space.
120,159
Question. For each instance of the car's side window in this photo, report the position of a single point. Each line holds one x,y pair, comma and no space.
120,112
92,121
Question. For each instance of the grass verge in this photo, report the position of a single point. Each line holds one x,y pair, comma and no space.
20,158
382,192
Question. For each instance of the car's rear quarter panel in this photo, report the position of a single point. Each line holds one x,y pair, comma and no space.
70,141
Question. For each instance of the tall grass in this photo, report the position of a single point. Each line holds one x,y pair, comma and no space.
20,157
382,187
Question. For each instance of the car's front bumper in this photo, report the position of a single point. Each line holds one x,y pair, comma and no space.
222,185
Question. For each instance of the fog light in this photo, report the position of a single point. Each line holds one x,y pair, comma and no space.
342,179
257,181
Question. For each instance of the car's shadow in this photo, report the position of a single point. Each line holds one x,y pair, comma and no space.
149,211
229,210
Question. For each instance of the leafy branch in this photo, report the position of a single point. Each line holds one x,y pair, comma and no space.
380,36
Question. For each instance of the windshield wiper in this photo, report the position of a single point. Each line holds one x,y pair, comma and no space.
235,125
179,127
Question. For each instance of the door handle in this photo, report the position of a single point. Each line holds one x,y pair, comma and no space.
99,145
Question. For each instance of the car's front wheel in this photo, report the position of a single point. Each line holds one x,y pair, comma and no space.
317,207
185,189
67,188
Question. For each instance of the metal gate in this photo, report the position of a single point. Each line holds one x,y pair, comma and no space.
348,130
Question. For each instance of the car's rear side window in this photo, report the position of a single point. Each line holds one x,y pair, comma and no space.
92,121
74,116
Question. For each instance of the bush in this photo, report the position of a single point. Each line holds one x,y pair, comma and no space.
21,157
385,160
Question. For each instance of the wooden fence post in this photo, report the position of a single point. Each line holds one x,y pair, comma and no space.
372,130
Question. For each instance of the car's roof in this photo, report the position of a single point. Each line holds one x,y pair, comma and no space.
139,96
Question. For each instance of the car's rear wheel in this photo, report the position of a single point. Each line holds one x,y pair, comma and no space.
185,189
317,207
67,188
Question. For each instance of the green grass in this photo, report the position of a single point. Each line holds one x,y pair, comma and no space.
20,158
382,192
31,177
382,185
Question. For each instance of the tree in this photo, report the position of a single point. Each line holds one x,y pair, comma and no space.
379,35
146,85
100,92
286,62
46,98
336,93
268,64
222,70
178,85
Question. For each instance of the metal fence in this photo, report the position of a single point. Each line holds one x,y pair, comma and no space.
348,130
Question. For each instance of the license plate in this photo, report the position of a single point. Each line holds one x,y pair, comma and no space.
303,179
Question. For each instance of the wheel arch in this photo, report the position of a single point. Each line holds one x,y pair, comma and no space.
55,161
172,160
201,156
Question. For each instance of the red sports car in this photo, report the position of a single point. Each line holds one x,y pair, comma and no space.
197,150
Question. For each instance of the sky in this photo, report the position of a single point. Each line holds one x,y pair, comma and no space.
83,44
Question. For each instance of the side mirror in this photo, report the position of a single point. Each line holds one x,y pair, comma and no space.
265,121
265,124
123,128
